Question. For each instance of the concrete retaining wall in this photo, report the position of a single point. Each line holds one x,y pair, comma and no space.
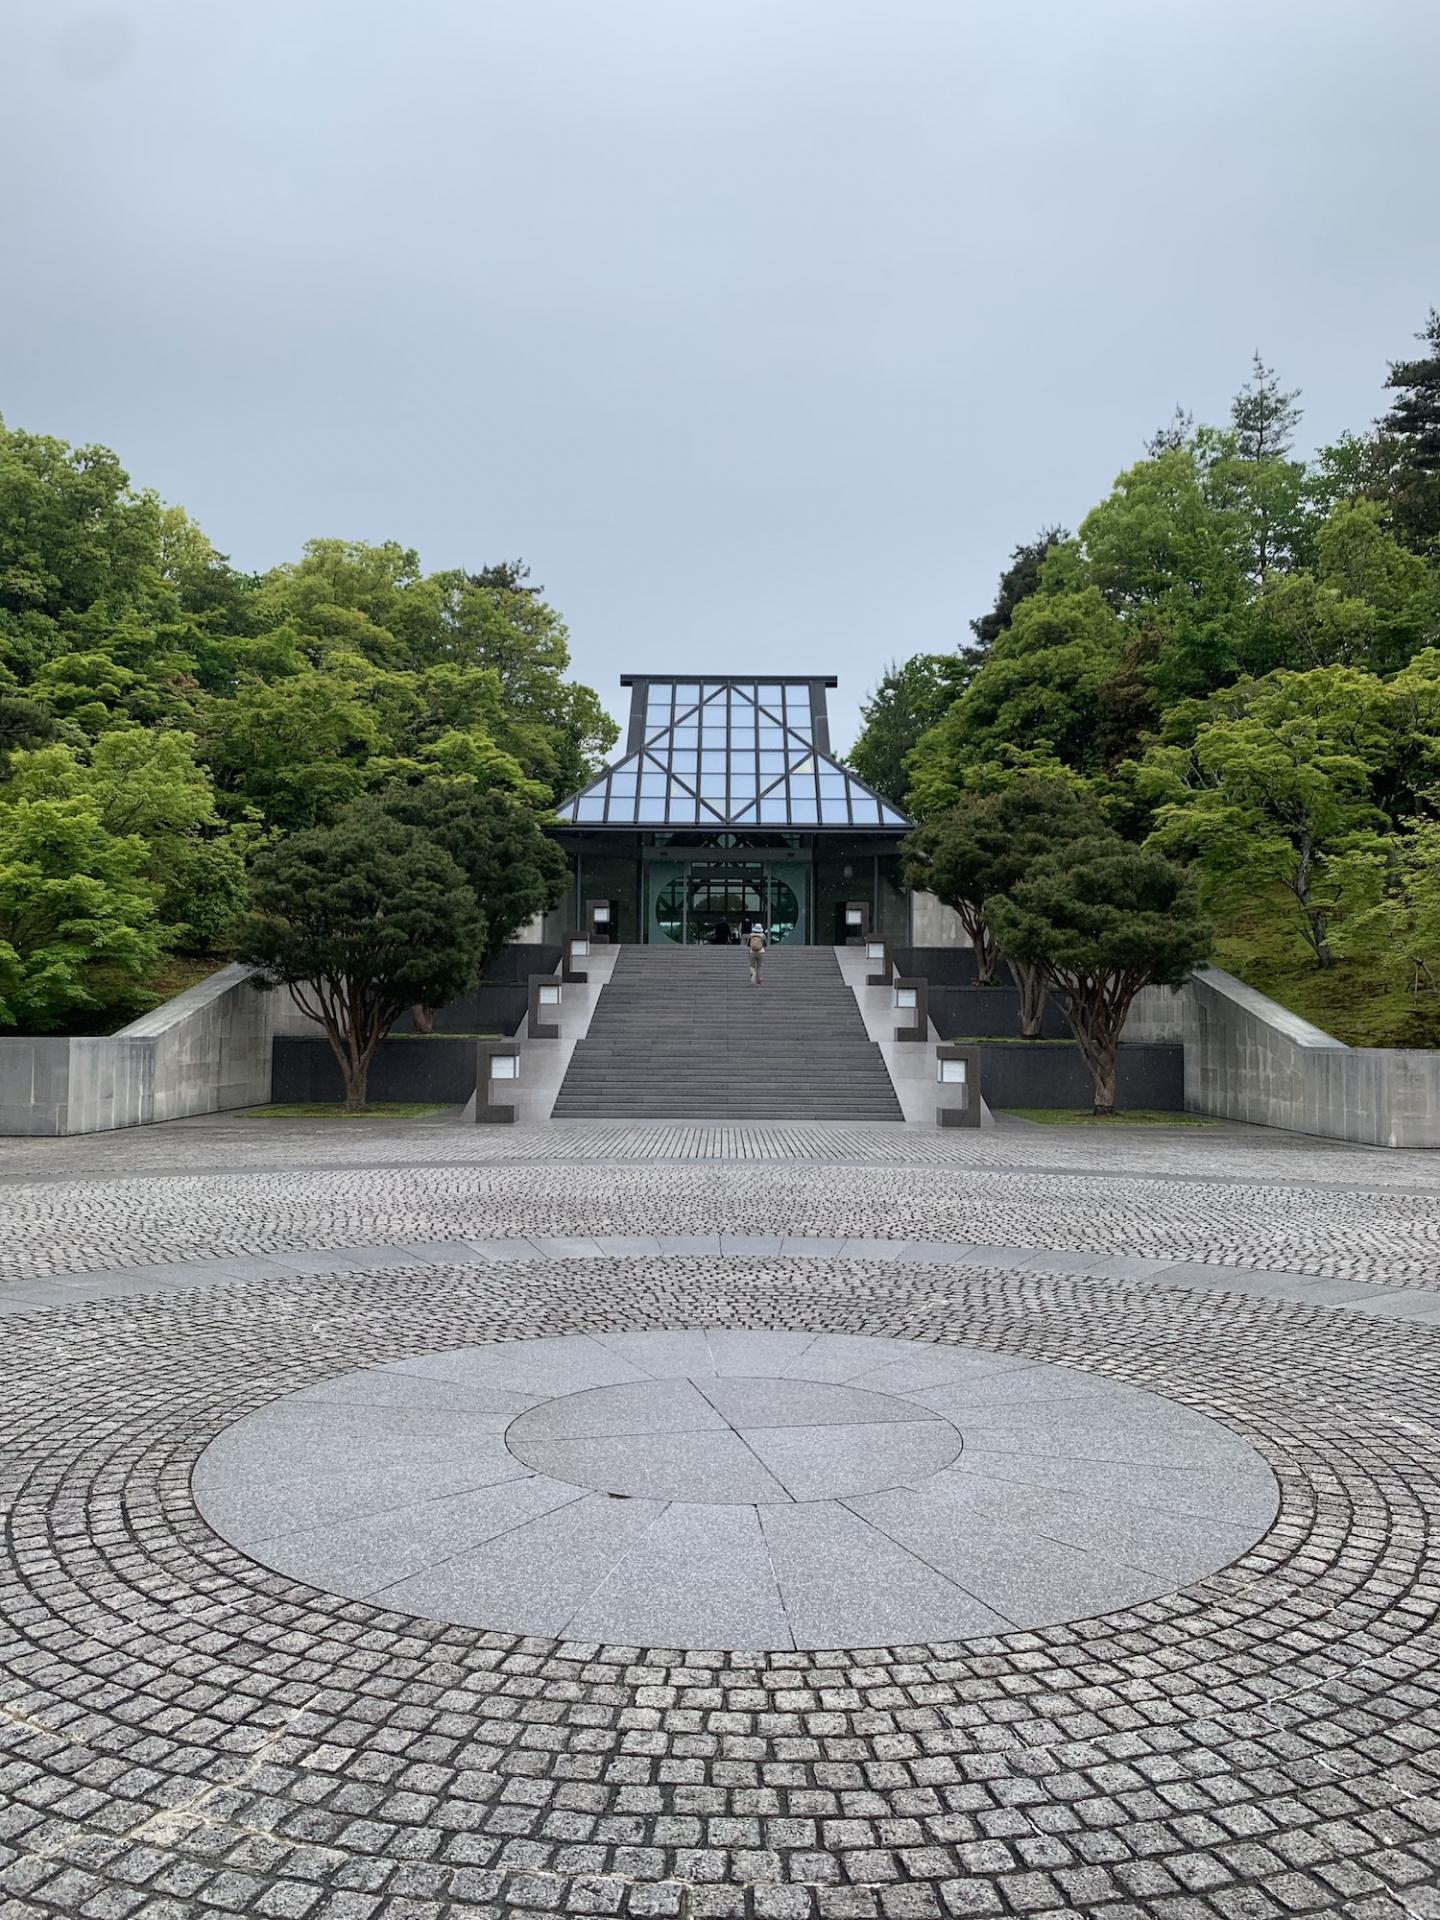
1039,1073
207,1049
933,924
437,1066
1246,1058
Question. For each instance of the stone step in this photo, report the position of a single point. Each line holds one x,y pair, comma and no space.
681,1033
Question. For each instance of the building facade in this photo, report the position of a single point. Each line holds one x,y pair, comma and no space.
727,806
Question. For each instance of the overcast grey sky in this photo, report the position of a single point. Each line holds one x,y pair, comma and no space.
763,329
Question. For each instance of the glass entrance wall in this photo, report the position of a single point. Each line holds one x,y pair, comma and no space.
682,888
714,902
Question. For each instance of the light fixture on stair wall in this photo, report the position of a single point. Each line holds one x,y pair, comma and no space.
495,1060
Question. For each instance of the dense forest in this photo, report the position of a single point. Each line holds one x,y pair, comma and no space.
168,723
1236,656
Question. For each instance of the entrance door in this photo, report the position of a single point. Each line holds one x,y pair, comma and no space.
697,903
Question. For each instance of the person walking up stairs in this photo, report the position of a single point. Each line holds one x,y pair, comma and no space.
756,947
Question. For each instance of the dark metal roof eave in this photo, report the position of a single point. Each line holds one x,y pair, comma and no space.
880,831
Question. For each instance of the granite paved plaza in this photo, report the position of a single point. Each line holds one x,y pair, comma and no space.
1182,1472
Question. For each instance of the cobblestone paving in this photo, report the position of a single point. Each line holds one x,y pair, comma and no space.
184,1733
225,1143
100,1225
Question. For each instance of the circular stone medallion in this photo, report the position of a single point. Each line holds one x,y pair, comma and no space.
733,1442
735,1490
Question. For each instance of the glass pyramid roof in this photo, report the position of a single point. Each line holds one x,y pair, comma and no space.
727,753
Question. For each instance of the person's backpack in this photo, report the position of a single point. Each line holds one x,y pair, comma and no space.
757,942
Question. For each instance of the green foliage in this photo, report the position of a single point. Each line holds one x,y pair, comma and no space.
1413,428
1039,691
1394,920
1276,782
1021,578
77,919
985,843
1239,653
499,845
360,920
200,713
908,701
148,785
1099,920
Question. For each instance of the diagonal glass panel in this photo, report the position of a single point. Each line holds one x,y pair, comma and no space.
715,741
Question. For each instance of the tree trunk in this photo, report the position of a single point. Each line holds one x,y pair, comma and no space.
986,953
424,1018
1104,1078
1097,1027
1031,986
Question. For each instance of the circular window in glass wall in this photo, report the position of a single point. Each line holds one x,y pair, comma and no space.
709,906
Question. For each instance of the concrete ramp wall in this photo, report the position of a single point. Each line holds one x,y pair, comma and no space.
1247,1058
207,1049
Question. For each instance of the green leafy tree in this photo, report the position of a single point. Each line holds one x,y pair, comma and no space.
1100,920
1392,922
350,602
78,930
909,700
1267,484
512,867
23,724
1021,578
74,534
982,847
1276,782
295,749
1412,426
1039,692
1172,548
509,862
359,921
148,785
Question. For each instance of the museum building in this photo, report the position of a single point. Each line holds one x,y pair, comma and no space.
726,807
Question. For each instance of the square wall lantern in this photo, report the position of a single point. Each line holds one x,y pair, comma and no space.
874,949
549,996
854,917
580,949
958,1071
601,916
905,997
494,1060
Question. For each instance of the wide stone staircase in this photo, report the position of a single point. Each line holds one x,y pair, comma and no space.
679,1033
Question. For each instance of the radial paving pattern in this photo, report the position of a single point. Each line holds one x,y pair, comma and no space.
734,1489
192,1727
